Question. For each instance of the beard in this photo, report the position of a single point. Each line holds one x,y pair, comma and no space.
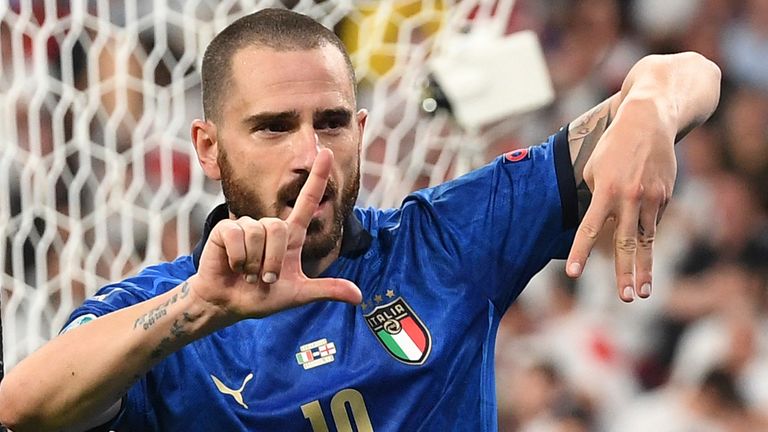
322,237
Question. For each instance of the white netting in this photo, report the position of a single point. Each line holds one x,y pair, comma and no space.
97,174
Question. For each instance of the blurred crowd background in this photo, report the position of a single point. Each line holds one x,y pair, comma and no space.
693,357
571,356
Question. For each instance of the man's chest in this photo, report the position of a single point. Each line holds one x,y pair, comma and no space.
325,365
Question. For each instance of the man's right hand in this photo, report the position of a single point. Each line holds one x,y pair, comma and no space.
252,268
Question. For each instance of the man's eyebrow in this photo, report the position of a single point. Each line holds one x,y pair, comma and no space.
264,117
339,113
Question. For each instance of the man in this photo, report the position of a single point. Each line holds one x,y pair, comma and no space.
233,337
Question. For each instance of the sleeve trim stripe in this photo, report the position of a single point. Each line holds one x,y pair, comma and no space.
566,181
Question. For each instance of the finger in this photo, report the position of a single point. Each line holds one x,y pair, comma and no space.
274,249
329,289
312,192
229,235
254,237
625,248
586,235
646,231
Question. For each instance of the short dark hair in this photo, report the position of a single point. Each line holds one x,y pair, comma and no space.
278,29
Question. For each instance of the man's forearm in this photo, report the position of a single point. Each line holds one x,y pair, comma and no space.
624,162
85,371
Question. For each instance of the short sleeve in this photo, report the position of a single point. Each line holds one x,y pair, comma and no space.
149,283
502,223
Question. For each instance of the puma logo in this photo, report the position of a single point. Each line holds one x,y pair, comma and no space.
237,395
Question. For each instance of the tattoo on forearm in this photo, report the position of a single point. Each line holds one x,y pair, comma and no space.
583,135
150,318
178,331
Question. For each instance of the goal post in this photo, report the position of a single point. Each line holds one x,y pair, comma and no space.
97,175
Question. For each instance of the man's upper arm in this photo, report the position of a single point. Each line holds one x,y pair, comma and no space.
149,283
501,223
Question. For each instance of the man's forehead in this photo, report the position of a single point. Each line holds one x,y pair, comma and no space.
259,68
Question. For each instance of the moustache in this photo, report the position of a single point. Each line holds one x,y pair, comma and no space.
288,193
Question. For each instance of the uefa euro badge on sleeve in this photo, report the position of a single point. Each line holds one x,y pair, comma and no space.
77,322
400,332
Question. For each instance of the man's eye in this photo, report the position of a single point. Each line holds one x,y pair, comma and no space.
331,125
275,127
272,127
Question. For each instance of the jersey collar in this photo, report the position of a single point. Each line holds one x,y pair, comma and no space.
355,241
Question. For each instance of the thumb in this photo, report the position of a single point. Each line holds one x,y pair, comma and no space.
330,289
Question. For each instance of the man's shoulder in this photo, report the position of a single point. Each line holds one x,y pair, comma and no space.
374,219
180,268
151,281
163,276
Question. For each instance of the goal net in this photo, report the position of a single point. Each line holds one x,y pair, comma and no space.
98,177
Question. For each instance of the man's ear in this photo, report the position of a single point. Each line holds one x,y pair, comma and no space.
207,147
362,118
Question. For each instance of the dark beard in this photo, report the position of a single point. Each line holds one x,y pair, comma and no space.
239,201
316,245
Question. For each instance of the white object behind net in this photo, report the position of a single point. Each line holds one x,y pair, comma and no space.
97,173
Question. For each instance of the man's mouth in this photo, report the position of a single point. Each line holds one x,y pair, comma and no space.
326,197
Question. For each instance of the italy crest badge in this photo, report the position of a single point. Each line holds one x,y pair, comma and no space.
400,331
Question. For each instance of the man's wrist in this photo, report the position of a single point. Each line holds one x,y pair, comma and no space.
209,316
653,112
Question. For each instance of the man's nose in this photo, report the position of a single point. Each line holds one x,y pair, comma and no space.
306,145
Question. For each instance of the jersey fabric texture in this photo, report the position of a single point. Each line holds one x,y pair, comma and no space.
417,355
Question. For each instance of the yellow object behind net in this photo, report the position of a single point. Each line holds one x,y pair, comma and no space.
376,32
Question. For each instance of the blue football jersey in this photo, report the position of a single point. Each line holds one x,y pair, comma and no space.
417,355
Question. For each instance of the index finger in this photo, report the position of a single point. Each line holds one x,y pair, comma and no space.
586,235
312,191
